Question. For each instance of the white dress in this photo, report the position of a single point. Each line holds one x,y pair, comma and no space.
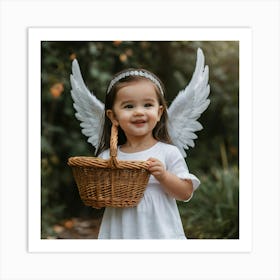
156,216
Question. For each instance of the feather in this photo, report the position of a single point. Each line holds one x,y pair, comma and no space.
89,110
188,106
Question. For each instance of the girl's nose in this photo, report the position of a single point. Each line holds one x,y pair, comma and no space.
138,111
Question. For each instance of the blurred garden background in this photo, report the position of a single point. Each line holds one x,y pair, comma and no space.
213,212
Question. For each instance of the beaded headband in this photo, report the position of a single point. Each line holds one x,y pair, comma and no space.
135,73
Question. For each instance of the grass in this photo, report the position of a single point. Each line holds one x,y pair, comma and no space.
213,212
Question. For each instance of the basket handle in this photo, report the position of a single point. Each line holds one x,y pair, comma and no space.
114,146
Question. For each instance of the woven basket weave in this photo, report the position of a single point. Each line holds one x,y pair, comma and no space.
112,182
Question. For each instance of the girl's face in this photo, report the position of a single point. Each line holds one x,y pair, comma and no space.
136,109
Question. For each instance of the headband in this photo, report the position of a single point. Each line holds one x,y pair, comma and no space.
135,73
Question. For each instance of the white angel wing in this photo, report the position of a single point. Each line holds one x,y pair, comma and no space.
187,107
90,111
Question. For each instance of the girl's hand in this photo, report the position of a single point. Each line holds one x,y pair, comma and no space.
157,169
174,186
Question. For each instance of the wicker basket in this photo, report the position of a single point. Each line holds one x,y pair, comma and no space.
110,183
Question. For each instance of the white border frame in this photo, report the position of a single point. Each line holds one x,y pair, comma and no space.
243,35
262,16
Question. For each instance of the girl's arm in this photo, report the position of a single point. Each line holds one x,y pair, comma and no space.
180,189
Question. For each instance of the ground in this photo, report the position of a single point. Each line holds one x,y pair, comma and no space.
77,228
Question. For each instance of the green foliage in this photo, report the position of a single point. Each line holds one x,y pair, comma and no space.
213,212
174,63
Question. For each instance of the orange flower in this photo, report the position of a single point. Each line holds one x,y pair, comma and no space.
117,43
123,57
56,90
68,224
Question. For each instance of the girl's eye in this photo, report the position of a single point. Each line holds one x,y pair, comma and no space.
128,106
148,105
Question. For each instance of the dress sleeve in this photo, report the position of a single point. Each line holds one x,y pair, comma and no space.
176,164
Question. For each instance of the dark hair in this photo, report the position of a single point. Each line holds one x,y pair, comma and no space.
160,131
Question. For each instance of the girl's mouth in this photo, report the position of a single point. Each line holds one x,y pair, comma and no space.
139,122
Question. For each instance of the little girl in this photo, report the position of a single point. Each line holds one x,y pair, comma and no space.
135,103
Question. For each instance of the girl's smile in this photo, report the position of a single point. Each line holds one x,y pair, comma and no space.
139,122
